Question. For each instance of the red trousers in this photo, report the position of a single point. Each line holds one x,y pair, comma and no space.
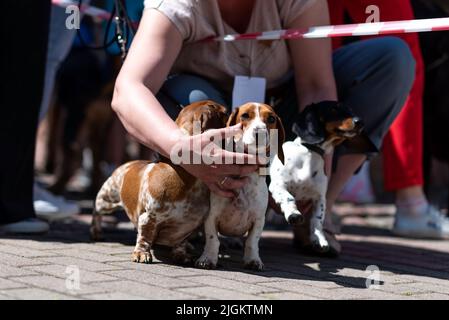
403,145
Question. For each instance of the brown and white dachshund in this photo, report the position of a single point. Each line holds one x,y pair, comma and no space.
165,203
246,212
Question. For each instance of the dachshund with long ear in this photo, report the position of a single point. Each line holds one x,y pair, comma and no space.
320,127
164,202
246,212
267,121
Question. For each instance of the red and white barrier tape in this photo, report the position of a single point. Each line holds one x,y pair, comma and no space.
348,30
363,29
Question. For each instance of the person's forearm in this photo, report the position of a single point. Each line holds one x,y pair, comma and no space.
312,59
144,118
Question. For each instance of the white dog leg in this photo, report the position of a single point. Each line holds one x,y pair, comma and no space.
316,226
209,258
287,203
251,256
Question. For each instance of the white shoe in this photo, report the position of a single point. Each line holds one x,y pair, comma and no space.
431,224
50,207
27,226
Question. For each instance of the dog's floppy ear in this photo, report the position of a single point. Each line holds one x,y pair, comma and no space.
281,139
232,121
309,127
213,116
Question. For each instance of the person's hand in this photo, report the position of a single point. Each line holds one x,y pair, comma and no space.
216,167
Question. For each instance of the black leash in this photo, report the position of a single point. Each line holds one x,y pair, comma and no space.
123,29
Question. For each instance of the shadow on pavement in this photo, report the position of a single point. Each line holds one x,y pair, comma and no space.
284,262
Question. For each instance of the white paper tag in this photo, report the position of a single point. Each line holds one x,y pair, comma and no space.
248,89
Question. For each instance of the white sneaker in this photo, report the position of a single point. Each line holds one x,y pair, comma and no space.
431,225
50,207
27,226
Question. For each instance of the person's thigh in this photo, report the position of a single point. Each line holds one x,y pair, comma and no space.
181,90
374,78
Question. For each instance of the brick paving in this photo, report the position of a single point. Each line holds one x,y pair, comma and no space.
46,267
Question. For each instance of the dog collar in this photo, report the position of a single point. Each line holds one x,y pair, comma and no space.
314,148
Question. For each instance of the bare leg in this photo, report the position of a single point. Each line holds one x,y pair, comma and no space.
346,167
414,192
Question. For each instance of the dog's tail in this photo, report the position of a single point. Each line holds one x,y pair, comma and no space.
107,201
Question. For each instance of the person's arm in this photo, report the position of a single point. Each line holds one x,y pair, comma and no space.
153,52
151,56
312,59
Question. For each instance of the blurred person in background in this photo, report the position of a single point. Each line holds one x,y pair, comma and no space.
403,145
23,70
47,205
82,77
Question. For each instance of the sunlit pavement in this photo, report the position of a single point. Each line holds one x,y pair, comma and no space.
64,264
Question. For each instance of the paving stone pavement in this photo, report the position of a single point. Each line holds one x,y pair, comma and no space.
48,266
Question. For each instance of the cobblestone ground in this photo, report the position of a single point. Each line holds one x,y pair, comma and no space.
46,267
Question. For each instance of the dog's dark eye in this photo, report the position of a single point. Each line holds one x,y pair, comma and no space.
271,119
244,116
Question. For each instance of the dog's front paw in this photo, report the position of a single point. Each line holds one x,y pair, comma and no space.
255,264
295,218
205,262
142,257
319,242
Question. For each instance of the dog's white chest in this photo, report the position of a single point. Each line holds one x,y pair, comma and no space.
236,216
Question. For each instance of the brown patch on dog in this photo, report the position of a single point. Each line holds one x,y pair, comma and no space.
265,113
130,188
169,183
208,114
347,125
334,127
344,125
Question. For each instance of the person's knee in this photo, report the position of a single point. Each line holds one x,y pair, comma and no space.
198,95
399,62
187,89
